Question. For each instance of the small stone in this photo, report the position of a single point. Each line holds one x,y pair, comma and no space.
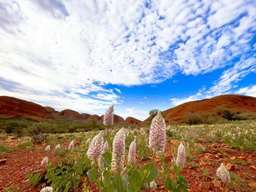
3,161
253,167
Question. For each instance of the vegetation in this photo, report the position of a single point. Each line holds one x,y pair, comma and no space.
22,127
5,149
73,169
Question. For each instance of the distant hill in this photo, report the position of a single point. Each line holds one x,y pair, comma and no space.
132,121
236,105
224,106
11,107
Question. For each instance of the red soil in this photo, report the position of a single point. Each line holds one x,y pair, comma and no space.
199,172
19,163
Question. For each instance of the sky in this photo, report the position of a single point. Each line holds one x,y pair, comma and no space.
136,54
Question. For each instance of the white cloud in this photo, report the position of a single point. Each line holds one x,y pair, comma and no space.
230,77
227,83
70,49
134,112
250,91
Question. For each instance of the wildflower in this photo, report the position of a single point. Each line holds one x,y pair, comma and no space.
96,147
71,145
153,185
157,134
105,147
118,153
108,118
132,152
45,161
223,174
57,146
47,189
47,148
181,156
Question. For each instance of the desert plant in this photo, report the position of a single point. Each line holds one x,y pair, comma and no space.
157,134
108,118
65,177
34,178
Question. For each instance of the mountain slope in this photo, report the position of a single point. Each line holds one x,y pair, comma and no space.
210,107
11,107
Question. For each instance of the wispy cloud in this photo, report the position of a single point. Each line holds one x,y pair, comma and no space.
250,90
70,49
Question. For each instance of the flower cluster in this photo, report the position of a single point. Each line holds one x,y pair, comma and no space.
118,153
108,118
157,134
96,147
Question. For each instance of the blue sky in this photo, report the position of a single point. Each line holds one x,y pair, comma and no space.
136,54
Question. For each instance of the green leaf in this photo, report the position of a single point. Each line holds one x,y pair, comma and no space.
92,174
169,184
150,172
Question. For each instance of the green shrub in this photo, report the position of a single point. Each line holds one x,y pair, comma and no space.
11,189
34,178
67,176
5,149
193,119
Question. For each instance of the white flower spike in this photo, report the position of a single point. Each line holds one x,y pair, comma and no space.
47,189
223,174
181,156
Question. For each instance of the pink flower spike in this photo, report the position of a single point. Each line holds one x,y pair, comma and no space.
157,134
96,147
132,153
118,153
108,118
